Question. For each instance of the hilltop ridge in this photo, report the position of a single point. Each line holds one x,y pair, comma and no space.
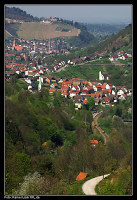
23,25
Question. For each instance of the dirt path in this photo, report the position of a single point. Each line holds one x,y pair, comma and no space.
89,186
97,129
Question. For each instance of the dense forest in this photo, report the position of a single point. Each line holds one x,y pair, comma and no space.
18,14
47,143
85,38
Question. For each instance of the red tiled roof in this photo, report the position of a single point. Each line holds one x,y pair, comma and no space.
58,90
99,92
8,72
8,66
94,141
81,176
122,52
64,87
94,95
74,91
106,91
106,98
86,91
18,47
30,73
85,82
52,90
64,93
67,83
55,84
126,56
104,85
85,101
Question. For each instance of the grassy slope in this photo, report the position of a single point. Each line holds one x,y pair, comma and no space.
118,183
36,30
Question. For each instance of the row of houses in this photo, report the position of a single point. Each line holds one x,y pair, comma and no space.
122,55
38,46
80,90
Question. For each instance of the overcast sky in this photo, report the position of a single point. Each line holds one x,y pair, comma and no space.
91,13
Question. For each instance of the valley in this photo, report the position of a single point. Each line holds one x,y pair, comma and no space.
68,95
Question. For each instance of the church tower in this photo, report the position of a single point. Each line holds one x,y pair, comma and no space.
13,45
101,77
39,85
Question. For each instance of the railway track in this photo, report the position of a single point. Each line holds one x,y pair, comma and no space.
97,129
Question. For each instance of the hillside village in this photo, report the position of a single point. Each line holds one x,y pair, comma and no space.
79,90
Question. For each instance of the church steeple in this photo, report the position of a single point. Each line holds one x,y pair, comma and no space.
13,45
39,85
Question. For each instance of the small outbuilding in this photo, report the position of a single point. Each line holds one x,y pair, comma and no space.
94,143
81,176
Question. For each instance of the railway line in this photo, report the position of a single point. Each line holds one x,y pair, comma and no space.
97,129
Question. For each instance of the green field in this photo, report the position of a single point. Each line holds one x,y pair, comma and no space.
87,72
119,75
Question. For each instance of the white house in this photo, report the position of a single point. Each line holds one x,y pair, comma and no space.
72,93
129,93
122,97
30,88
28,80
120,92
113,58
26,73
36,74
17,72
107,87
75,87
60,81
113,92
78,106
95,88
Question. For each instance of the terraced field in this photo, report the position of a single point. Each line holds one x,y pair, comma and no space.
36,30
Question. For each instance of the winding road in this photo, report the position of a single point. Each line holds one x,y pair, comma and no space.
89,186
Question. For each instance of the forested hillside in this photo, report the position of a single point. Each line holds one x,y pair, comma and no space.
37,126
47,143
85,38
100,30
122,39
75,33
18,14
